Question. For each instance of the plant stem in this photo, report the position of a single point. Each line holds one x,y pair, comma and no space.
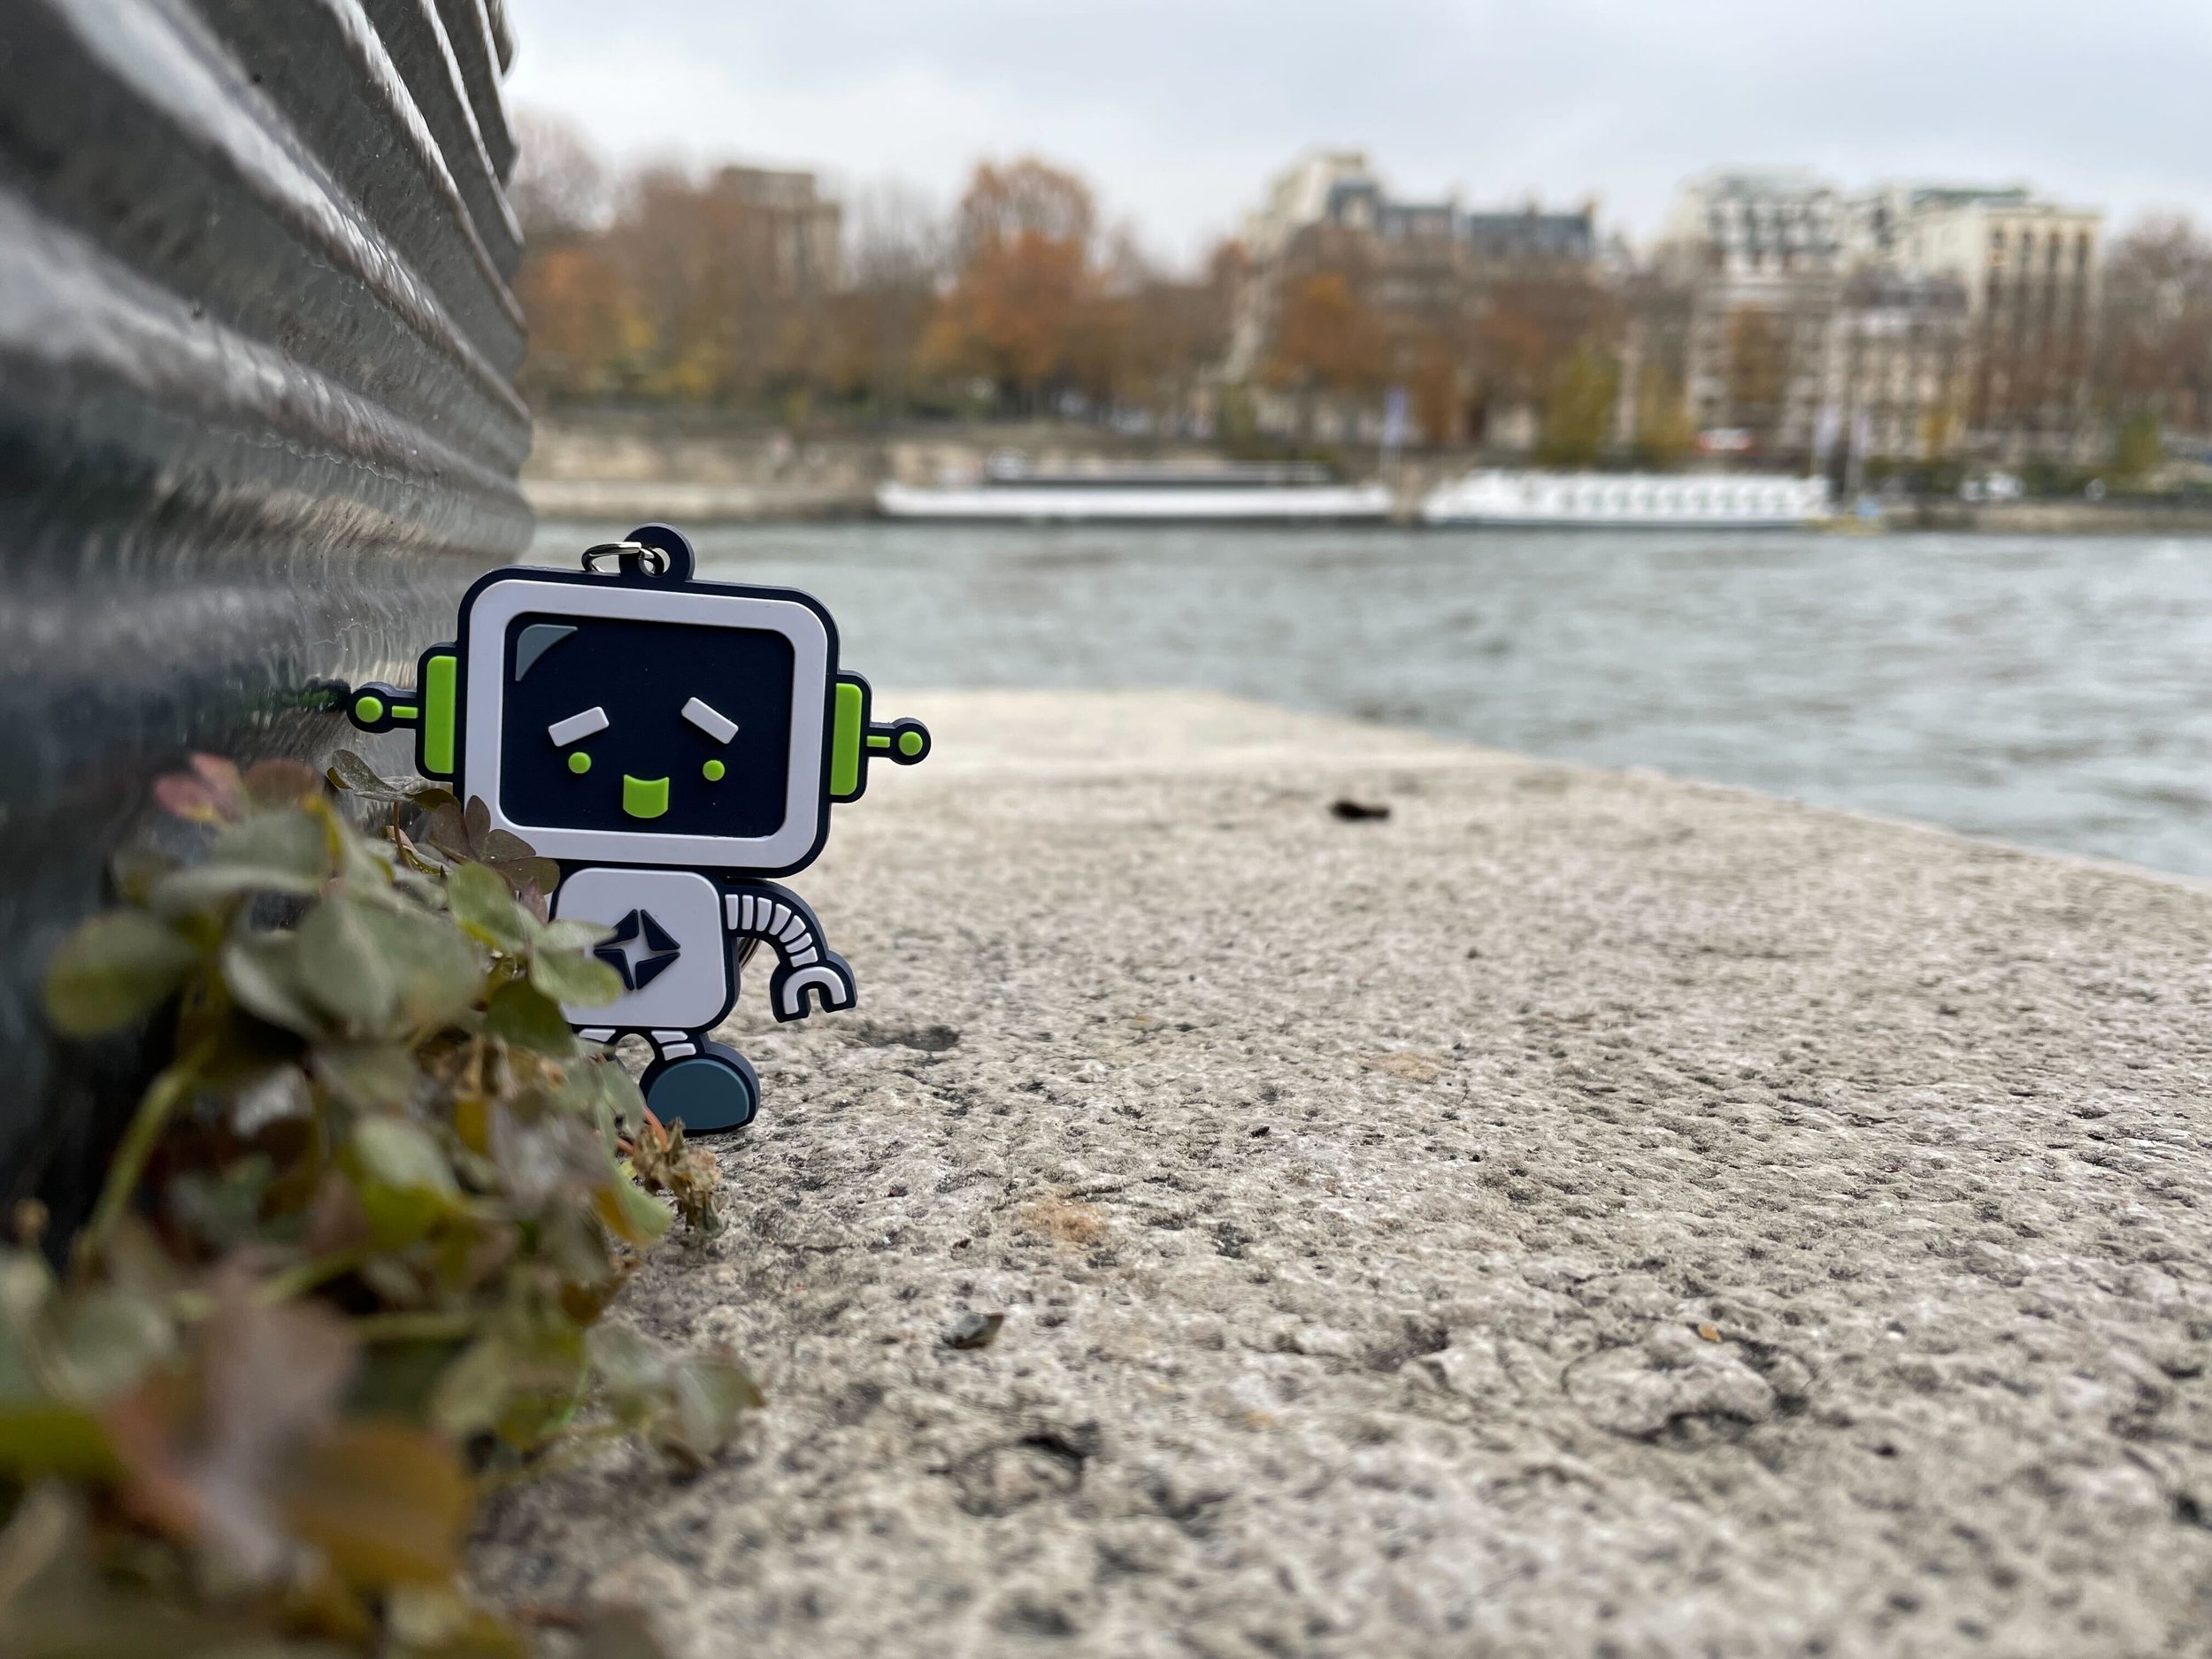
412,1327
154,1108
306,1275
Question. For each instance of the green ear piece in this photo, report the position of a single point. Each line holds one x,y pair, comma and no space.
856,738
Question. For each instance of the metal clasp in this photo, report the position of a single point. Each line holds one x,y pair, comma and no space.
633,556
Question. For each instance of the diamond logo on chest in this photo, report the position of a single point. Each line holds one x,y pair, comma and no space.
641,951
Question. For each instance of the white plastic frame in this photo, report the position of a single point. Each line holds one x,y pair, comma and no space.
484,716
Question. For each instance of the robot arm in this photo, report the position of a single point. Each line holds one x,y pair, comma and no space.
761,911
430,709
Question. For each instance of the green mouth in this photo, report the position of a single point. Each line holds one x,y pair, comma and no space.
643,798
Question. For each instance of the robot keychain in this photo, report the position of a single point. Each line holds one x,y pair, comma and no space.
669,743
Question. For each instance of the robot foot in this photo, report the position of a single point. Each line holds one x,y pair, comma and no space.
714,1090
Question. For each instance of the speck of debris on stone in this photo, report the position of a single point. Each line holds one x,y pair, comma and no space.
1351,812
1709,1333
895,1192
974,1330
1263,1129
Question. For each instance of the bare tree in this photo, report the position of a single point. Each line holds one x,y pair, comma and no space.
560,186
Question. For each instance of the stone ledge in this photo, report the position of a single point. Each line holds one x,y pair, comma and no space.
1580,1213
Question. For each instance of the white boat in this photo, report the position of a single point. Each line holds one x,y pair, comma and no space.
1702,500
1010,488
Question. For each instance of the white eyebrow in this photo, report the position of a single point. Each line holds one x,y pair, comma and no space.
578,727
718,727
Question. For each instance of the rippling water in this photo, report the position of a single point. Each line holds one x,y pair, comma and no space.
2055,691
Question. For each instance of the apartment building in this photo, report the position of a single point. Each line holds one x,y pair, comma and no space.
1907,320
1761,252
2031,270
1422,268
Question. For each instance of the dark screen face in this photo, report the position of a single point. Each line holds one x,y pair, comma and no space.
658,727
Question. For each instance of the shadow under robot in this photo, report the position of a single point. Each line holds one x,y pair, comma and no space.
669,743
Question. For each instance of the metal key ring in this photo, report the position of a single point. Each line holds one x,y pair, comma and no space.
652,559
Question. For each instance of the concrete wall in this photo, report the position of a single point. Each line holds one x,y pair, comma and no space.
256,423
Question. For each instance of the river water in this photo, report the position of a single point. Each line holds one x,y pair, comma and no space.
2051,691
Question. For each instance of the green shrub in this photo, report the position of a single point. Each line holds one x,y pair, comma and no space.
349,1266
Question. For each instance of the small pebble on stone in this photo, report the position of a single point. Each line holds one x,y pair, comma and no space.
974,1330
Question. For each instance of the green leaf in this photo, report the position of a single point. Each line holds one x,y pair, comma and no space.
630,1212
115,968
437,970
271,852
403,1155
341,965
712,1393
407,1185
619,1097
349,773
482,904
372,1075
519,1014
472,1393
629,1368
572,935
574,978
42,1438
262,974
104,1341
288,843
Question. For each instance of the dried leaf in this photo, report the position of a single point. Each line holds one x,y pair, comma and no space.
211,792
115,968
207,1464
386,1502
349,773
274,784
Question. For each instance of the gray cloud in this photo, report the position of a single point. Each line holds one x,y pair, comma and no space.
1180,112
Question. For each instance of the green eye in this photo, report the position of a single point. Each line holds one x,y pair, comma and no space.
579,762
713,772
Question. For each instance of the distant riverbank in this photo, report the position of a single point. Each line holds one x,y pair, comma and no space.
692,466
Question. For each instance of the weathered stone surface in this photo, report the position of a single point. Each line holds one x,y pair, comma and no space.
1580,1214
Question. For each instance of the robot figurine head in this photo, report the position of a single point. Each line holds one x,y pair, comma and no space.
627,714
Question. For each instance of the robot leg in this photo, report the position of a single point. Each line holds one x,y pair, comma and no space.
707,1086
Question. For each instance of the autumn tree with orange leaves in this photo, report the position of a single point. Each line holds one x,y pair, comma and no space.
1025,290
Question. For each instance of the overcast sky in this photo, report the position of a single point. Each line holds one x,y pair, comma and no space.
1178,110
